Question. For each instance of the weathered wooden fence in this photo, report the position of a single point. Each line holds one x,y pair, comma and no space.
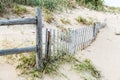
38,48
71,40
56,40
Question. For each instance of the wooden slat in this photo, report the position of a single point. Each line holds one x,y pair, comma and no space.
84,38
57,47
94,31
46,43
59,41
69,41
50,43
48,46
18,21
60,36
85,31
88,33
66,40
17,50
74,41
78,39
54,37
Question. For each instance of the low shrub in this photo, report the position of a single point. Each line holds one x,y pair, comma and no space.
48,16
65,21
2,7
48,4
87,66
82,20
27,65
5,5
17,9
93,4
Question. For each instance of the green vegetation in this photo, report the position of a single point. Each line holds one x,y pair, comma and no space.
28,2
53,4
87,66
93,4
27,65
5,5
82,20
48,4
48,16
91,20
65,21
1,7
112,9
9,5
17,9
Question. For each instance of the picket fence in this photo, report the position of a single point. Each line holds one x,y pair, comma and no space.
70,40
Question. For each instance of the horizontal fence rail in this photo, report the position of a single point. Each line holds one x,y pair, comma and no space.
18,21
17,50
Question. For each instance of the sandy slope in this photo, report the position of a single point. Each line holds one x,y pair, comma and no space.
104,52
7,72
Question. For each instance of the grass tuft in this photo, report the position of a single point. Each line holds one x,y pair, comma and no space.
27,65
85,21
17,9
1,7
87,66
81,20
92,4
48,16
65,21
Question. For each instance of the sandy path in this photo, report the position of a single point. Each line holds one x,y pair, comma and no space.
7,72
105,54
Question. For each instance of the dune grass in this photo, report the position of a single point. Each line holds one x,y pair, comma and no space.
19,10
87,66
53,4
82,20
27,66
65,21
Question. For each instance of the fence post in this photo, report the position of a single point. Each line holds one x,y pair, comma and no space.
39,62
